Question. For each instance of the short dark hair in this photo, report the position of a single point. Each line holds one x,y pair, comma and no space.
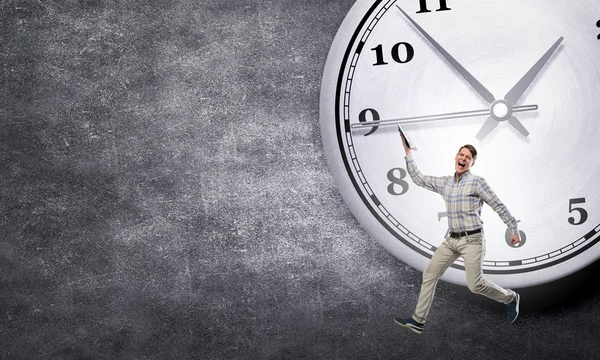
471,148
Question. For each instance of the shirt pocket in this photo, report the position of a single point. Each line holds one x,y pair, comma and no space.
474,202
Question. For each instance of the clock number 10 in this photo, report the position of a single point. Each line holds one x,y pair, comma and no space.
410,53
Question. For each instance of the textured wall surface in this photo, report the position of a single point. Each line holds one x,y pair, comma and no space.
164,194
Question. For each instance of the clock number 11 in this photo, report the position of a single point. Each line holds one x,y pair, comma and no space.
423,4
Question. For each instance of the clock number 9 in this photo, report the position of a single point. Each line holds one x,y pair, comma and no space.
362,117
583,215
397,181
410,53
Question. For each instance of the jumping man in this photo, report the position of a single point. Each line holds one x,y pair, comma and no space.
464,194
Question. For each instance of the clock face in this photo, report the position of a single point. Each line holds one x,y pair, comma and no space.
535,121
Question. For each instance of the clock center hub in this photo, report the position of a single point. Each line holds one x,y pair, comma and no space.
500,110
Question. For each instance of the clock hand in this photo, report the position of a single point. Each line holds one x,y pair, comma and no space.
492,121
517,91
517,125
489,125
481,90
510,98
445,116
514,94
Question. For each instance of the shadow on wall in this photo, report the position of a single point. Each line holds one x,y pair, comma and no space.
568,292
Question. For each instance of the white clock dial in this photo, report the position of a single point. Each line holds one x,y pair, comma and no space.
535,121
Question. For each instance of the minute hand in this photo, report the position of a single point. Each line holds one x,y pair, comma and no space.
481,90
514,94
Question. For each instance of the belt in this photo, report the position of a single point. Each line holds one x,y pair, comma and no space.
459,234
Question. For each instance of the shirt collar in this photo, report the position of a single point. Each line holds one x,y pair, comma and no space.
465,174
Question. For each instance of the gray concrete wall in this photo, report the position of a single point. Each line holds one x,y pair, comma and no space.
164,195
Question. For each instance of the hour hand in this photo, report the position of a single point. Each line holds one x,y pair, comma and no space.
481,90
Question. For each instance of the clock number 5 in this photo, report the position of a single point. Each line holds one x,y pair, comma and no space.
423,3
583,215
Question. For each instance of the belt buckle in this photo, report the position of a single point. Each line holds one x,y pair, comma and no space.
458,234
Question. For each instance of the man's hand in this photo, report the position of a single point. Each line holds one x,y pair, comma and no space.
515,239
406,148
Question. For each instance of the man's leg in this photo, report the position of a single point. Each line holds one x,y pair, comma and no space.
443,257
472,248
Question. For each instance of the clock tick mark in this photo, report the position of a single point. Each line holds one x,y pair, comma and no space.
360,47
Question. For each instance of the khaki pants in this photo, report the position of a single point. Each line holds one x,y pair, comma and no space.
472,249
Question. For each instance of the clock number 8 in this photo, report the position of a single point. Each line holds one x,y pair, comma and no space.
397,181
598,25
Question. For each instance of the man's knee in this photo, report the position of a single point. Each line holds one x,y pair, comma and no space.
478,286
430,275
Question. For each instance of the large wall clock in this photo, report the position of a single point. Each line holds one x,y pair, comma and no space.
519,79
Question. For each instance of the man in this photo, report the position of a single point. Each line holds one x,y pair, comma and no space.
464,194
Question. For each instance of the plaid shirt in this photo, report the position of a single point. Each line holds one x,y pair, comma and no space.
464,198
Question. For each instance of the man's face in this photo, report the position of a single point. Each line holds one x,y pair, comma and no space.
463,161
